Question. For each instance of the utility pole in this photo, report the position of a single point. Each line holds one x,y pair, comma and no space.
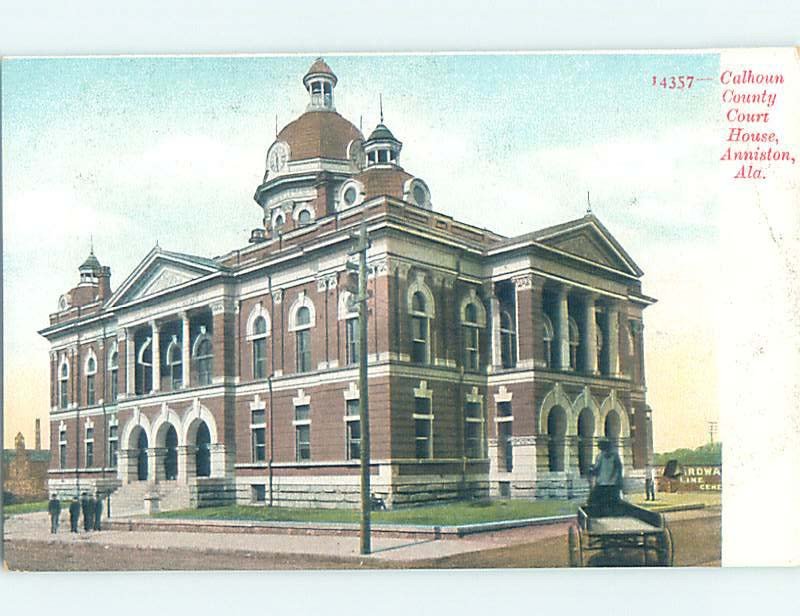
360,246
712,430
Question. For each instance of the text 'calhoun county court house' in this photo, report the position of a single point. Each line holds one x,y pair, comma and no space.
495,363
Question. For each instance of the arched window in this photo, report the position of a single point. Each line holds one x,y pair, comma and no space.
556,430
574,343
585,437
204,358
175,363
547,340
91,373
508,340
259,348
420,329
612,425
303,338
304,217
144,372
113,375
63,382
470,325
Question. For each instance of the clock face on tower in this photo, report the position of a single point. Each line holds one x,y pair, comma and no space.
278,156
355,152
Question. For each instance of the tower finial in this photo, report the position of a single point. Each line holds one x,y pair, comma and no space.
588,203
91,244
380,98
276,124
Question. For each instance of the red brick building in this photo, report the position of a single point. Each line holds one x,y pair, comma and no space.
495,362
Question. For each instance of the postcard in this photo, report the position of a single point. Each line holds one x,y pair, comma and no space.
399,311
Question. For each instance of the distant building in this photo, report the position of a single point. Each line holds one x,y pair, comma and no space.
495,363
25,471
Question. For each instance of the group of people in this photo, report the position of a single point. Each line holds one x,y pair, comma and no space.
91,507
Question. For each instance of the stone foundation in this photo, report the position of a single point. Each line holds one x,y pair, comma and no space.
66,488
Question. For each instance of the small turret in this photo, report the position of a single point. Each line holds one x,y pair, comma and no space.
320,82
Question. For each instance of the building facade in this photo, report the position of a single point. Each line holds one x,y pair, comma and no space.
495,363
25,471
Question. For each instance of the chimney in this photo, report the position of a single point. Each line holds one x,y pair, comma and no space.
104,283
38,434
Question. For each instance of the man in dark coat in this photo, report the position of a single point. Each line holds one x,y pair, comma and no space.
607,473
54,509
87,507
74,514
98,511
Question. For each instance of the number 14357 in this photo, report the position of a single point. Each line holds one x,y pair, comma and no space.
675,82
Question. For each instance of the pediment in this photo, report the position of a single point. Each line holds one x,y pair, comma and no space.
161,271
589,240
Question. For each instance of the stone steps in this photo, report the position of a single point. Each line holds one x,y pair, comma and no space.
130,498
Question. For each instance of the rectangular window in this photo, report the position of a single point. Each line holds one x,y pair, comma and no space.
89,447
351,341
63,400
302,412
258,431
506,447
90,390
419,340
113,445
353,427
423,428
62,449
303,442
472,360
260,358
114,384
303,350
473,430
258,493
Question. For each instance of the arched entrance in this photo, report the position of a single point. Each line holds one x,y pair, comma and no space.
203,453
141,456
612,427
171,455
556,430
585,437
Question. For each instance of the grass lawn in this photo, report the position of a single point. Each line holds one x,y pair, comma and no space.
664,499
452,514
24,508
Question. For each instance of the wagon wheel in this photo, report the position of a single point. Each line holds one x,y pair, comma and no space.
667,548
575,548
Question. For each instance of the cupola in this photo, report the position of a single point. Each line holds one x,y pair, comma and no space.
320,82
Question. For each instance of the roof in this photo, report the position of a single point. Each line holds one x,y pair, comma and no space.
91,263
379,181
319,134
382,132
319,67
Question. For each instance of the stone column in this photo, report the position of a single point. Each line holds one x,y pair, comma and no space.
562,329
186,463
612,339
155,457
590,336
156,355
126,465
494,316
186,351
130,362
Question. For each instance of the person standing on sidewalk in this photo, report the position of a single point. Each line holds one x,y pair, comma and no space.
98,511
87,508
54,509
74,514
650,483
607,471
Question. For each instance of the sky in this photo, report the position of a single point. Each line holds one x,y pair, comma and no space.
130,151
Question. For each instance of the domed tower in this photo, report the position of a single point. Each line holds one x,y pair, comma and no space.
94,285
383,175
310,158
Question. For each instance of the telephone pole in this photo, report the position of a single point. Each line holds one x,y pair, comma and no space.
360,246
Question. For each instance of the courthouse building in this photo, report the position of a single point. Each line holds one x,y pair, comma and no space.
495,363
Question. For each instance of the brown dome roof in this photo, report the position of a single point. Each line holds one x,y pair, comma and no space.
319,134
380,181
320,67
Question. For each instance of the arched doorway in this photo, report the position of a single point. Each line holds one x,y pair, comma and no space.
203,454
585,436
612,427
141,456
171,456
556,430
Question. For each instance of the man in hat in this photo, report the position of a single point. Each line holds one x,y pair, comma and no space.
54,509
98,511
87,508
607,472
74,514
650,483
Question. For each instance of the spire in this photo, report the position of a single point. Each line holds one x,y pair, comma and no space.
588,203
380,99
